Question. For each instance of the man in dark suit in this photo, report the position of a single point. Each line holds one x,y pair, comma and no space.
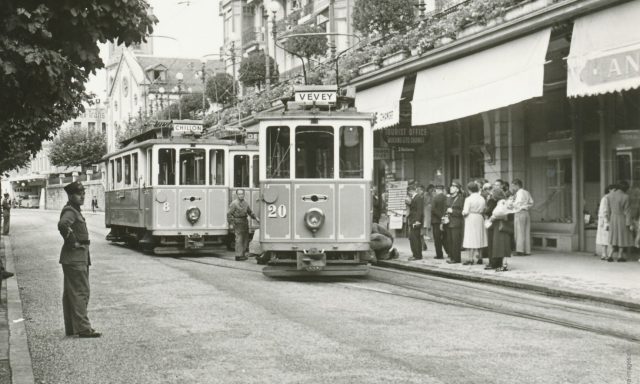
438,209
75,260
414,222
455,227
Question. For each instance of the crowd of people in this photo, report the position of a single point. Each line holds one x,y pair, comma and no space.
618,222
483,220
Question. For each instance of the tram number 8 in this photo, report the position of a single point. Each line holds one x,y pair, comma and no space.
275,212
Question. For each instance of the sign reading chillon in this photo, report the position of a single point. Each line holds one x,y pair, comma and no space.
187,128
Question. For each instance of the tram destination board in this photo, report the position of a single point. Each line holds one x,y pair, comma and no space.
181,129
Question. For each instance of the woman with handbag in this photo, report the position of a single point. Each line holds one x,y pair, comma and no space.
502,231
475,234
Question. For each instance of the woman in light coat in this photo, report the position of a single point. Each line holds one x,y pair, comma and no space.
602,235
475,234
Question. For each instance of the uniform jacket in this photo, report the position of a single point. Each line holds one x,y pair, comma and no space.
456,204
438,207
239,210
73,228
6,205
416,211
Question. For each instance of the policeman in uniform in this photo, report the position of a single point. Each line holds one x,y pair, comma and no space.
6,214
75,260
237,215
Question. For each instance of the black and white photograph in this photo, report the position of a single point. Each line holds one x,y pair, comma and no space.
319,191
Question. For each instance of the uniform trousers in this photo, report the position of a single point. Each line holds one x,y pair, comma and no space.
438,239
75,298
415,241
6,222
522,231
241,230
454,243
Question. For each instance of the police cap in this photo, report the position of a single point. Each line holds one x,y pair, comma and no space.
73,188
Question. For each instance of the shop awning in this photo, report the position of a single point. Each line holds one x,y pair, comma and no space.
491,79
384,100
605,51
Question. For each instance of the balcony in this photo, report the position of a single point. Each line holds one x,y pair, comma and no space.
251,36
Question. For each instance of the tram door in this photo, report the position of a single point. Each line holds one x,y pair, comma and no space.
244,175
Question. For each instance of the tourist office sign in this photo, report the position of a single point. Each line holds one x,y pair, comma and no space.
406,136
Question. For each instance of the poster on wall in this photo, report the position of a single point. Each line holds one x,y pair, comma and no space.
396,207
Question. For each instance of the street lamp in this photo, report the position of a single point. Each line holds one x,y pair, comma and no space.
232,52
179,77
267,62
273,8
203,76
161,90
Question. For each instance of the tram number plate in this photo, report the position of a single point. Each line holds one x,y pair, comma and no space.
274,211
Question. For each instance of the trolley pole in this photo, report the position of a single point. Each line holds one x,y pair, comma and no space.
267,62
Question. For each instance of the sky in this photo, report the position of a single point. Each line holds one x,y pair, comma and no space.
186,28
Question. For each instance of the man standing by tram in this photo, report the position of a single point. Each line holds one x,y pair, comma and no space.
239,211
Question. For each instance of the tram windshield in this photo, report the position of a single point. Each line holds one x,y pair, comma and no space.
351,152
278,150
314,152
166,166
216,167
256,178
241,171
192,167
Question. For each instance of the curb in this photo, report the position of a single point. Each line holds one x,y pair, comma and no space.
19,356
549,291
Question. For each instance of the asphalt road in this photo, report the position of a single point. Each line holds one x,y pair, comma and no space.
213,320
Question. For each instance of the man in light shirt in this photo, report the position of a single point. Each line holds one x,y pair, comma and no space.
521,202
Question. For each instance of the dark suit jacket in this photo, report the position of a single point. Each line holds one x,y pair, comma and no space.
73,229
438,207
456,204
416,211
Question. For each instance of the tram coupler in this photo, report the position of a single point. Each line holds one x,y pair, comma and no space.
311,260
193,241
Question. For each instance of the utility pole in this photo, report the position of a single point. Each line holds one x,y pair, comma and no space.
267,62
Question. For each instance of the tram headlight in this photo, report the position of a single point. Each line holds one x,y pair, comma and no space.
193,214
313,219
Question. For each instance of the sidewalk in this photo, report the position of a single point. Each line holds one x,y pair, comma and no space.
576,274
13,334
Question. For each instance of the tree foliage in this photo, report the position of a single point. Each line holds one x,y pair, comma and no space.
78,146
48,48
191,106
253,70
383,16
220,88
307,47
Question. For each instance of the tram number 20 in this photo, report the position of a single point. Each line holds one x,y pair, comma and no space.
274,211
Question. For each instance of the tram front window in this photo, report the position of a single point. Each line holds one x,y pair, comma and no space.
278,149
256,178
216,167
192,167
241,171
351,152
314,152
166,166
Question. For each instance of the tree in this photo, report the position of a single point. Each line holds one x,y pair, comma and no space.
220,88
48,48
253,70
383,16
190,105
78,146
307,47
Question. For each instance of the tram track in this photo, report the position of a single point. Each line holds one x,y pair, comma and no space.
618,324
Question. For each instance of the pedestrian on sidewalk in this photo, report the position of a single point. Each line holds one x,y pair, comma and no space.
475,234
522,202
94,204
238,214
454,222
620,225
426,207
501,230
602,234
6,214
485,192
438,210
75,259
414,222
381,243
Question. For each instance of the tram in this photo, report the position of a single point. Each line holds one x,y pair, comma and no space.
168,189
315,179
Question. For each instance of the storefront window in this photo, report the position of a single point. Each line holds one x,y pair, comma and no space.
278,152
314,152
166,166
553,194
241,171
192,168
216,167
626,110
351,152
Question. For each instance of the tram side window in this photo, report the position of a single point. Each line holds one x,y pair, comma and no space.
278,152
127,170
351,152
192,167
256,177
149,166
216,167
166,166
314,152
112,174
241,171
134,168
119,171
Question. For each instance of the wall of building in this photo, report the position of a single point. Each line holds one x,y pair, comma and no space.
56,197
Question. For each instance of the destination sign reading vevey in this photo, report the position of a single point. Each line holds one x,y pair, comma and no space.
187,128
317,97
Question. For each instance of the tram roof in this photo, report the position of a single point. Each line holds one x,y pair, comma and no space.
173,141
348,114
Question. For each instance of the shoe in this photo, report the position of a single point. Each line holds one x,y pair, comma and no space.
6,275
610,259
622,260
468,263
488,266
479,262
603,258
452,262
87,335
414,258
439,258
519,254
394,254
241,258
